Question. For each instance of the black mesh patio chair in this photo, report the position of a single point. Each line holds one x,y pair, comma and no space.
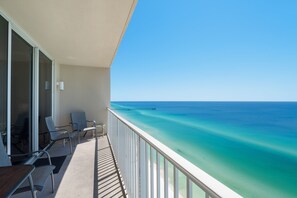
80,123
39,175
57,134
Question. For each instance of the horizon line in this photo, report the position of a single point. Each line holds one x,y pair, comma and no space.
203,100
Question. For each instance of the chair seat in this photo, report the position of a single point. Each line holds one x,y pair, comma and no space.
39,176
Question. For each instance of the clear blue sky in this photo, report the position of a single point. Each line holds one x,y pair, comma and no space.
201,50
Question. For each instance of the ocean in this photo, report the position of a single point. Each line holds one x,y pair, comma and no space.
249,146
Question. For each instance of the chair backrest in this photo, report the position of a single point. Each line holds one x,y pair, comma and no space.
4,159
51,127
78,120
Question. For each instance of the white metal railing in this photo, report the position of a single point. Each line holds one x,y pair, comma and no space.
151,169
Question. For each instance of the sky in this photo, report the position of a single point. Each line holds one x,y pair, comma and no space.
208,50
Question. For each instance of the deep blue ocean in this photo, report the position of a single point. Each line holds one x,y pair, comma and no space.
249,146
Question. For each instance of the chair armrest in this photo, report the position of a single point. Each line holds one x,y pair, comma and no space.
56,131
38,156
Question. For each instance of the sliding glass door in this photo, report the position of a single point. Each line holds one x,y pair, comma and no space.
25,91
21,95
45,97
3,78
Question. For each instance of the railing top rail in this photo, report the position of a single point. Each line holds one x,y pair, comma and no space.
198,176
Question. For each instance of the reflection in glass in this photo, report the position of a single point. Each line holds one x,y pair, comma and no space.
45,97
3,77
21,94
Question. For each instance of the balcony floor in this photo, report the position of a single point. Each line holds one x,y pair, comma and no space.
109,181
99,178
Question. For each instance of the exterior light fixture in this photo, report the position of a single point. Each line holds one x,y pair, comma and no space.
60,85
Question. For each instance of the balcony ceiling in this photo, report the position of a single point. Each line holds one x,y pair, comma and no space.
73,32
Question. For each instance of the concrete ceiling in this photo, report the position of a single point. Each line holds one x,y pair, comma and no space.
73,32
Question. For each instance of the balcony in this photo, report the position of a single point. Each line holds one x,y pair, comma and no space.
127,162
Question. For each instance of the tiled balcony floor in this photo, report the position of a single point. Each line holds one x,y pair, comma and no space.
105,180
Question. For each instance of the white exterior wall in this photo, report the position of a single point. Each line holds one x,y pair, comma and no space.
86,89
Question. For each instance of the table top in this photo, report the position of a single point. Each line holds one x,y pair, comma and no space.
11,177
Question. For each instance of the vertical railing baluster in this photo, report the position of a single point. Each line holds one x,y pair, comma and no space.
146,170
123,148
165,178
117,134
142,167
136,183
128,159
158,174
152,172
189,188
125,160
138,176
134,164
175,179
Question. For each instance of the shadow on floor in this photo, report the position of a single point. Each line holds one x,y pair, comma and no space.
108,182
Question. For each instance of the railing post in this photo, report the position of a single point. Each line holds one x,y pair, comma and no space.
139,183
165,178
152,172
135,165
146,169
175,178
158,175
189,188
117,139
142,167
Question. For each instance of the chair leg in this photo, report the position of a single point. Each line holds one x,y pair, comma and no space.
70,144
53,182
33,191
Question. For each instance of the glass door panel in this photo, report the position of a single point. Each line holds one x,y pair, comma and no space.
45,97
21,95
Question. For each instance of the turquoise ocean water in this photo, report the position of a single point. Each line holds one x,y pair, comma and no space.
249,146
